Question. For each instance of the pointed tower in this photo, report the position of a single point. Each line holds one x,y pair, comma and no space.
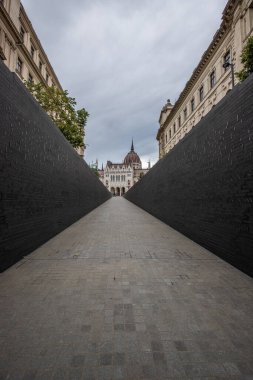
132,158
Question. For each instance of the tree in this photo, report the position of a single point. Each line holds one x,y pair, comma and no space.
61,108
247,60
95,171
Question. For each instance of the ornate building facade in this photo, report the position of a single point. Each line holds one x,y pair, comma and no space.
20,47
21,50
118,178
212,78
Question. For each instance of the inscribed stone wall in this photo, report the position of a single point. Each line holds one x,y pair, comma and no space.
45,186
204,186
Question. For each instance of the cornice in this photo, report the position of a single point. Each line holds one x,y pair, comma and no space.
9,24
25,18
19,43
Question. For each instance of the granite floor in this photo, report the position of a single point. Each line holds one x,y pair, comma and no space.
121,295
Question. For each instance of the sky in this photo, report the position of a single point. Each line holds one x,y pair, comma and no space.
121,60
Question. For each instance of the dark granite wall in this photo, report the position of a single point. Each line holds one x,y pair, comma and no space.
204,186
45,186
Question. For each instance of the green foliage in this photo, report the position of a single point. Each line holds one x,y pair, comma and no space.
61,108
95,171
247,60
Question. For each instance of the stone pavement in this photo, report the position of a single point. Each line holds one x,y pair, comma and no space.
121,295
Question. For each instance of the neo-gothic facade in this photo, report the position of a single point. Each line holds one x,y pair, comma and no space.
118,178
212,78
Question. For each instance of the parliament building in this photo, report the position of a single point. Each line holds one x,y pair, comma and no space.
118,178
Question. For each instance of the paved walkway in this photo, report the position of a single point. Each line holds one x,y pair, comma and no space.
120,295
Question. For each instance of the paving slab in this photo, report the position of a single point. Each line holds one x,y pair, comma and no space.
120,295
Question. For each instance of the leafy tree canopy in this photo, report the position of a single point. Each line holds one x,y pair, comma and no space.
247,60
61,108
95,171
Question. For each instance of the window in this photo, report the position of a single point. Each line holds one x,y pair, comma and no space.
19,66
179,121
47,77
226,60
174,128
22,33
170,133
30,78
40,66
201,93
185,113
32,51
166,138
193,104
212,79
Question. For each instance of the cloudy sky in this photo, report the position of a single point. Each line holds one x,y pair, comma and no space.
121,60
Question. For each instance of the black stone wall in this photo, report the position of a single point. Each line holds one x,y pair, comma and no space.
204,186
45,186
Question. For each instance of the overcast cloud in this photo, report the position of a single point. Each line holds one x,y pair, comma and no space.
121,60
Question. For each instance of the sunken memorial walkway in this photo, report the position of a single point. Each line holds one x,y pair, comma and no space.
121,295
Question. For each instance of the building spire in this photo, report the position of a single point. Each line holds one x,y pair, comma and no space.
132,146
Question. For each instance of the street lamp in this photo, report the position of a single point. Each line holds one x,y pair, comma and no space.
226,65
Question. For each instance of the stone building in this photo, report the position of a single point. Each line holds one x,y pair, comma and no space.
21,50
20,47
118,178
212,78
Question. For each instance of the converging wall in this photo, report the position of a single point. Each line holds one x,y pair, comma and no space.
204,186
45,186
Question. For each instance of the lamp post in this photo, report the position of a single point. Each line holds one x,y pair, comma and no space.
228,64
